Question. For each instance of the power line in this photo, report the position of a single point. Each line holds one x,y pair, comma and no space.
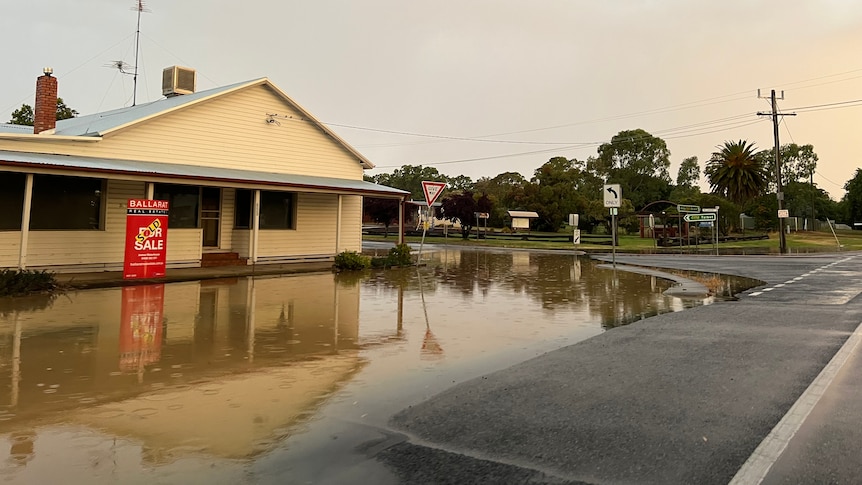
840,104
572,147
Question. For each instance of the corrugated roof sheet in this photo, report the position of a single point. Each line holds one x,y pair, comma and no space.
195,173
10,128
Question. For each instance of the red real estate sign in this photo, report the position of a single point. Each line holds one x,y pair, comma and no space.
146,239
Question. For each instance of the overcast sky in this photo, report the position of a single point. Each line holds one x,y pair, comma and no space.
485,81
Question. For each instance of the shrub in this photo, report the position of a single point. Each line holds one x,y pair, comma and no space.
398,256
15,282
351,261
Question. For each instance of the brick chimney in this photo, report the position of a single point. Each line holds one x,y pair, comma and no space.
45,111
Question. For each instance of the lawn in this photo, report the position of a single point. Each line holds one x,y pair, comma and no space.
798,241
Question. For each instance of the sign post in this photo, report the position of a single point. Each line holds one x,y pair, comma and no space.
146,239
432,191
713,213
613,195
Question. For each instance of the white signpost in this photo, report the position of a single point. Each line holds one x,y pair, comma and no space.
432,191
576,236
613,195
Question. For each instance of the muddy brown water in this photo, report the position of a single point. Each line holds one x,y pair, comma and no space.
220,381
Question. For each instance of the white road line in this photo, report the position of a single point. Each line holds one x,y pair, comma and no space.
779,285
754,470
755,293
768,289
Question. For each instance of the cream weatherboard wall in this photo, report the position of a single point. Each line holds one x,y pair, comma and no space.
228,131
10,242
316,232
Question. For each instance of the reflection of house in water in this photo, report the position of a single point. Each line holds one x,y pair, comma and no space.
232,361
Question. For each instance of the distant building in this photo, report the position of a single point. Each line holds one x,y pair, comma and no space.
521,219
250,175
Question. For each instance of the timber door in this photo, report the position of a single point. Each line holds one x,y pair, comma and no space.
210,216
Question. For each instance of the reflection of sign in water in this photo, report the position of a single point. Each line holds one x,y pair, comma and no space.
141,326
146,239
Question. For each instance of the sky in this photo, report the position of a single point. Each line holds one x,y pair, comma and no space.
478,87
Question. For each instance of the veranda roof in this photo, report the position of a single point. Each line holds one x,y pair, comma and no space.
192,174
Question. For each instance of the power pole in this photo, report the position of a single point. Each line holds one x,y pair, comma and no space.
782,245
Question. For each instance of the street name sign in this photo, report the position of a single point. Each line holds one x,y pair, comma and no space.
706,217
688,208
613,195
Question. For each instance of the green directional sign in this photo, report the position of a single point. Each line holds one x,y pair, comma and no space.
688,208
705,217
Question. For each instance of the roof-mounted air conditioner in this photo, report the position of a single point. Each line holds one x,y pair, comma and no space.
178,80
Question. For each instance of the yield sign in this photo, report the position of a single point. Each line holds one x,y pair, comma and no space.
432,190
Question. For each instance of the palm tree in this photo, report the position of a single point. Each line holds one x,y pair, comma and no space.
737,171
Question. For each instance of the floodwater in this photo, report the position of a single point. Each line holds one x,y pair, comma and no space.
254,380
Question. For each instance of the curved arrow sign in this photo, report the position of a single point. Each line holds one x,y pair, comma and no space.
613,195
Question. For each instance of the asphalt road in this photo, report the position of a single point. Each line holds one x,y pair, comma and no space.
683,397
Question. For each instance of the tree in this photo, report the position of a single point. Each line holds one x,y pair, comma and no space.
409,178
852,200
689,172
809,201
25,116
459,183
503,190
737,171
462,208
798,163
382,211
558,188
639,162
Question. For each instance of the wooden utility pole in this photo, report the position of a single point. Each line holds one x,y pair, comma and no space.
782,245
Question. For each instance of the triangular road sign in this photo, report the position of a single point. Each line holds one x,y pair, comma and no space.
432,190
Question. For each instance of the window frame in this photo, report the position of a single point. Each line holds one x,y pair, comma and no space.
37,199
10,202
172,190
268,197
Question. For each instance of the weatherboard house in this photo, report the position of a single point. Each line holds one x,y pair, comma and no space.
250,177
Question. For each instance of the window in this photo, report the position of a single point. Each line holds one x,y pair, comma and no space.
184,201
63,203
242,217
11,200
277,210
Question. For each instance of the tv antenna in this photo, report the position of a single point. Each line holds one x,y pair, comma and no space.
140,7
122,66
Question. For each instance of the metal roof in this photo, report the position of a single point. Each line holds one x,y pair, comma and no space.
194,173
100,123
526,214
10,128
